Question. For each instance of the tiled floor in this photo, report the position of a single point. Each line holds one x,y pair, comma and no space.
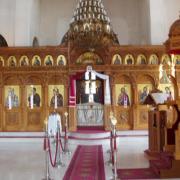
24,159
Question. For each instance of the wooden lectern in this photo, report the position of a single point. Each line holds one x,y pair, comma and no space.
156,125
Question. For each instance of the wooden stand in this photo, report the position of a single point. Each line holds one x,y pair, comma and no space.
156,130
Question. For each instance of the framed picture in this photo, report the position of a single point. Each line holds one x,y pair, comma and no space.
123,94
24,61
34,96
12,96
153,59
168,89
56,95
143,91
12,61
117,59
129,59
141,59
61,60
36,61
1,61
48,60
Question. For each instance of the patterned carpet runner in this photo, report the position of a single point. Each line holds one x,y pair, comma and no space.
144,173
87,164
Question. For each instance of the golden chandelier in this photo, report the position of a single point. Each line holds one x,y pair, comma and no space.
90,26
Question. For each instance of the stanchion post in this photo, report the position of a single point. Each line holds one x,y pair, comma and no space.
114,122
47,173
110,151
59,162
66,148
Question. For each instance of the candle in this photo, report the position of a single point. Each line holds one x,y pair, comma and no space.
66,115
10,102
55,102
31,101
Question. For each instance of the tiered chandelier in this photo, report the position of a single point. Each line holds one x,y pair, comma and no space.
90,26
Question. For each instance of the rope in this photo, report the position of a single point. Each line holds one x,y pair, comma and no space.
61,141
112,151
53,163
47,146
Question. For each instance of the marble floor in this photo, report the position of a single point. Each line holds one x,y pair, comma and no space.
24,158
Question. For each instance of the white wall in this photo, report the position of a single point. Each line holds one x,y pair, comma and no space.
7,11
19,21
163,14
134,21
55,19
124,17
34,20
144,20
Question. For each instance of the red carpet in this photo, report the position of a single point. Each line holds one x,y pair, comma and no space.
145,173
90,129
86,164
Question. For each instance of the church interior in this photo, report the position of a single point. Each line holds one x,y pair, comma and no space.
89,89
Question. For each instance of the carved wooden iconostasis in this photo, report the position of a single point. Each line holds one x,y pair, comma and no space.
133,70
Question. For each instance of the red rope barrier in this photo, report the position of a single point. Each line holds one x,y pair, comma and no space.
112,151
53,163
60,142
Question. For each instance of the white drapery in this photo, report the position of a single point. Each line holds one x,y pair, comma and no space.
54,121
107,96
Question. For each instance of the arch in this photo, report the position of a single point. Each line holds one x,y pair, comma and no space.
12,62
166,60
1,61
3,42
35,80
61,60
143,78
117,59
141,59
153,59
129,59
36,60
35,42
12,80
48,60
89,58
58,79
24,61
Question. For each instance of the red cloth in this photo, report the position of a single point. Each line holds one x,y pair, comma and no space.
72,91
176,51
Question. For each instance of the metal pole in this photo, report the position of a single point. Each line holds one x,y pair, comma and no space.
66,148
47,173
59,162
109,162
115,176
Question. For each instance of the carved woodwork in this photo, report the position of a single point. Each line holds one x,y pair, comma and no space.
156,130
177,144
134,117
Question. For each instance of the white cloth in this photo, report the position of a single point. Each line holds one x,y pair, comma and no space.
90,115
54,121
107,98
